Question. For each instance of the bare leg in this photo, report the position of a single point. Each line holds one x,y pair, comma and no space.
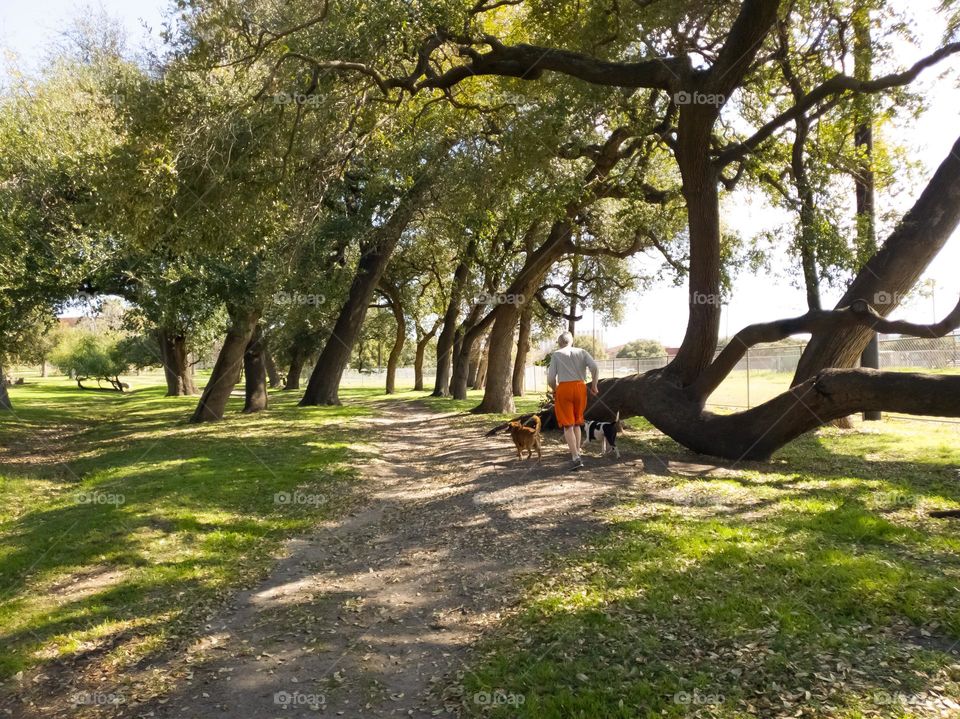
572,436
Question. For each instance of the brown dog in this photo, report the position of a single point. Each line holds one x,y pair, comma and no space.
527,438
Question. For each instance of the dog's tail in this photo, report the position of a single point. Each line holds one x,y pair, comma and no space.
537,423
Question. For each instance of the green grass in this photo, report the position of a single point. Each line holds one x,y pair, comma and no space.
121,525
813,581
764,385
727,596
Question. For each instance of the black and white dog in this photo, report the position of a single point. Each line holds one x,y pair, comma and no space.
606,432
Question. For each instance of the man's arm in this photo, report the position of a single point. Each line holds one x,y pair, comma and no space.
552,373
594,373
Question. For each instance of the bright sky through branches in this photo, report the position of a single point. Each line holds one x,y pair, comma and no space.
30,29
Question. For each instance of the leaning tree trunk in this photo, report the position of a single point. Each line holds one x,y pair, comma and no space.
891,273
5,403
176,366
255,373
480,375
699,183
447,338
226,371
422,342
297,360
523,348
498,391
466,337
273,372
473,365
396,306
325,379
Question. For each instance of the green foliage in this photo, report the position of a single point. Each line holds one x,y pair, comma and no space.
55,132
86,355
642,349
592,345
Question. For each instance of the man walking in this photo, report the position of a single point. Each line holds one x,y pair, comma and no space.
567,376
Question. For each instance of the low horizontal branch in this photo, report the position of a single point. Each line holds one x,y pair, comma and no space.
859,314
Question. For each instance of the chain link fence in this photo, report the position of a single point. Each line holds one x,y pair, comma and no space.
765,372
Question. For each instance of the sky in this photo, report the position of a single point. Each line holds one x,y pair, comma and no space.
29,28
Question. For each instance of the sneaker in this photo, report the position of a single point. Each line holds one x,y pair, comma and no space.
576,464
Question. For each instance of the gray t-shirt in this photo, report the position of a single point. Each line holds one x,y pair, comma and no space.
570,364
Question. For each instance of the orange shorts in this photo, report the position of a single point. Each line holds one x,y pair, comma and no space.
569,401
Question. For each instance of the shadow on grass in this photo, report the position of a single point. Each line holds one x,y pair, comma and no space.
668,615
171,514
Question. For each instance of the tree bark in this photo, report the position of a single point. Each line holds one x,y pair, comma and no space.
422,341
808,217
325,379
498,392
894,270
864,180
226,371
445,342
574,290
463,343
273,372
699,181
480,373
176,367
5,403
396,306
756,433
255,373
297,361
523,348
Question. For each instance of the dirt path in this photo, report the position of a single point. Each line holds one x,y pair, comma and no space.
375,615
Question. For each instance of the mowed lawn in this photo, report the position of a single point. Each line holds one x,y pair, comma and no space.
121,525
812,585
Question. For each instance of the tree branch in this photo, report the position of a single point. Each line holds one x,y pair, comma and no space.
860,313
529,62
835,85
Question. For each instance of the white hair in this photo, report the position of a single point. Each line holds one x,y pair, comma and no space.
565,339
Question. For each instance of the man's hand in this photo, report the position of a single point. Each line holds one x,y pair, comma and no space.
594,390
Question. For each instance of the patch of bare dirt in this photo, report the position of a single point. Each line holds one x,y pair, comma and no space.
371,613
